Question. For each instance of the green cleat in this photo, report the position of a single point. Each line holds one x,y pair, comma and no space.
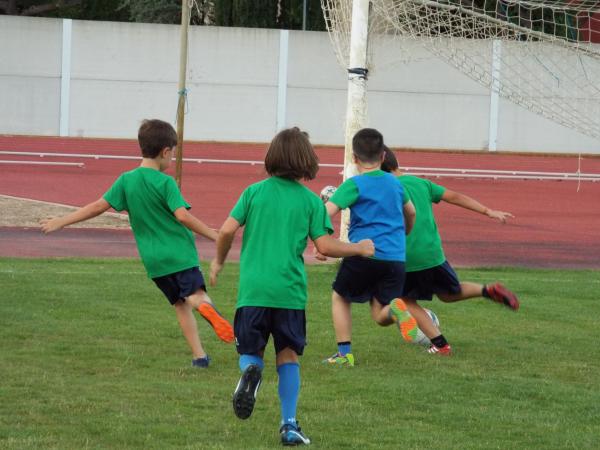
341,360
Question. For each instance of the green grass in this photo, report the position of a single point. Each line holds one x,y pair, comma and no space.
91,357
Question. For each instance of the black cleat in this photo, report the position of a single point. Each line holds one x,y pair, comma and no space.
245,392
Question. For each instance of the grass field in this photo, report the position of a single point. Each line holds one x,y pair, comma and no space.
92,357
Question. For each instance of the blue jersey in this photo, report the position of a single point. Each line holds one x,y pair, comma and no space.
376,201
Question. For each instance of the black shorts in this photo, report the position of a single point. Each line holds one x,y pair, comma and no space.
253,325
179,285
360,279
421,285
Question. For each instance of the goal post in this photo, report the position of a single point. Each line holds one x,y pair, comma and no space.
356,106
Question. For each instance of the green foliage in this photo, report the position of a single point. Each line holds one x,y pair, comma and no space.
92,357
71,9
284,14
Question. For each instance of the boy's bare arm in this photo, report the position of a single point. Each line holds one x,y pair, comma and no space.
410,215
464,201
224,241
195,224
332,209
86,212
329,246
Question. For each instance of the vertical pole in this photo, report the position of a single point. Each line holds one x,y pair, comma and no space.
495,95
282,79
185,20
304,12
356,108
65,77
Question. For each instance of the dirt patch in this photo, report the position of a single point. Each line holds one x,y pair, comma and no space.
20,212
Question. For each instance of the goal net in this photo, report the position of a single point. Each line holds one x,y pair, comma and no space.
541,54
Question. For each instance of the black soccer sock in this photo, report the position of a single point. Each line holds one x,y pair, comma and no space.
439,341
484,292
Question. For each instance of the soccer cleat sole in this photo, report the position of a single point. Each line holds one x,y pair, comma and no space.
500,294
222,327
406,322
244,396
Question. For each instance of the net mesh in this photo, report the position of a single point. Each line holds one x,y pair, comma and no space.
543,55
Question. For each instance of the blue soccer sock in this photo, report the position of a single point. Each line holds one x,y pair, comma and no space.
246,360
344,348
289,389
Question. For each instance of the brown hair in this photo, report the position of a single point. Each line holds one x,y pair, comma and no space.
367,145
154,135
390,163
291,155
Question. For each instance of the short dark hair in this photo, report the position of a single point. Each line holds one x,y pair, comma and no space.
291,155
367,145
390,163
154,135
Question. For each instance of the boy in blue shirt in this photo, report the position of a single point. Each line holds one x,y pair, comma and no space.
380,210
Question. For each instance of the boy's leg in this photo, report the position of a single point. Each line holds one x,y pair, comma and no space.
494,291
288,370
423,319
341,312
202,302
252,331
189,327
467,290
245,392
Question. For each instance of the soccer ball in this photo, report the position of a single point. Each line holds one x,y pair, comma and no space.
327,192
420,338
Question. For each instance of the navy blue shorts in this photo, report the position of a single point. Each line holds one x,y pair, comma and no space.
176,286
253,325
360,279
421,285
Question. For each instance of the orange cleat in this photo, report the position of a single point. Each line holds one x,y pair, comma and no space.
222,327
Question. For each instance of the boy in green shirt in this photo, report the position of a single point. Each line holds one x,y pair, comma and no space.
279,215
162,226
427,270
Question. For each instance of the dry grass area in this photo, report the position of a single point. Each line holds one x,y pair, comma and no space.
19,212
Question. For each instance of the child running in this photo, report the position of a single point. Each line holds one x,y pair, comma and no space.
427,270
379,210
162,226
278,214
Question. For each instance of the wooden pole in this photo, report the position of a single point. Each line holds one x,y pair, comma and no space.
185,21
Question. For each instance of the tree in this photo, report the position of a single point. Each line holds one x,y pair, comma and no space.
72,9
283,14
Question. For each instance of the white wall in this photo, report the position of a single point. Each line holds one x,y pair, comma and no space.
122,73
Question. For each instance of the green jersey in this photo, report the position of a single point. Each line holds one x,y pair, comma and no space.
278,216
151,197
423,244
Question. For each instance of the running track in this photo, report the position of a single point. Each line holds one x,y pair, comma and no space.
556,226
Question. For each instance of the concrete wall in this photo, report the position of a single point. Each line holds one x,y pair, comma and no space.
121,73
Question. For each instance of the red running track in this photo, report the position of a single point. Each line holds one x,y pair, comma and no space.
556,226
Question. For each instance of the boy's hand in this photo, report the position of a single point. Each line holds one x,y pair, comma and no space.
367,248
319,256
499,215
51,224
215,269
